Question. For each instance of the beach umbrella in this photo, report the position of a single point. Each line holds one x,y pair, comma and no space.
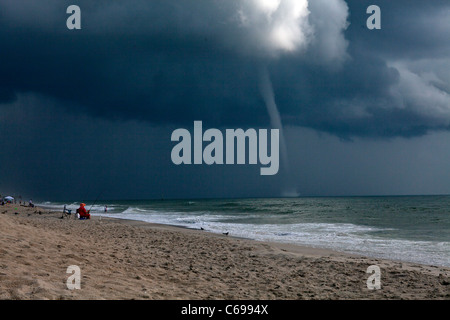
8,198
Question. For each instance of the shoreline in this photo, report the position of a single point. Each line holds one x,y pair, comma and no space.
375,238
132,259
291,246
288,248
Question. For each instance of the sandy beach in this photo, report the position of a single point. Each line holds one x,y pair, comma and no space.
123,259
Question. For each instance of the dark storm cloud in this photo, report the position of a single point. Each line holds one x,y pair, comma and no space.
395,81
49,154
179,61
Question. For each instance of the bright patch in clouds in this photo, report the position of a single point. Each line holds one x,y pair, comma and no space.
277,25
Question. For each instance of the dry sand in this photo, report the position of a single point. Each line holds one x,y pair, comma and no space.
122,259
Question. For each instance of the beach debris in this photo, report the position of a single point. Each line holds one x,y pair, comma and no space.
443,280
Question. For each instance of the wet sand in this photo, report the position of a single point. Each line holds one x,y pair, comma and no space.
123,259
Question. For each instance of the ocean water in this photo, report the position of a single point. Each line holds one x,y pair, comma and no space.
405,228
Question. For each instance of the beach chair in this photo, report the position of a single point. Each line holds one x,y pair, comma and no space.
66,213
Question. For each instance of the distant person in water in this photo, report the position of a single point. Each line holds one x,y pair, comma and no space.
83,213
106,208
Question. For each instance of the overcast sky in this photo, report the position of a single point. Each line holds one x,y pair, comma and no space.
83,112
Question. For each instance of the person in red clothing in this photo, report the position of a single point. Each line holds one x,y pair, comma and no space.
83,213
